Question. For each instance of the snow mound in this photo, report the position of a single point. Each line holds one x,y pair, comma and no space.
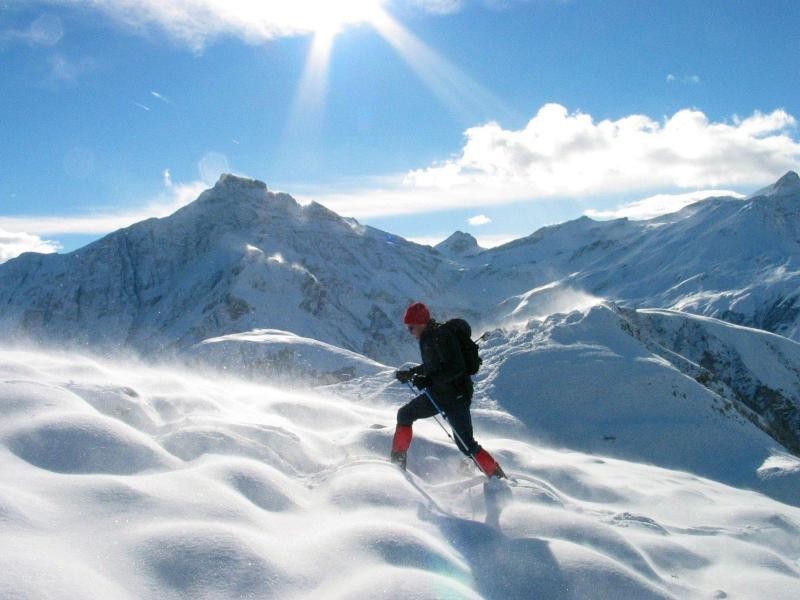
144,482
206,560
282,357
69,443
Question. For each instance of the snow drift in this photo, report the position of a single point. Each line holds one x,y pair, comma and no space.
220,488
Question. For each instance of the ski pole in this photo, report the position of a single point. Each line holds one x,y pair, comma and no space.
439,410
444,416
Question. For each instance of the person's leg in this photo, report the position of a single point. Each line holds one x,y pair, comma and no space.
418,408
461,422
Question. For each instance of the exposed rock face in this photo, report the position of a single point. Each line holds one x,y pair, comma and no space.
757,372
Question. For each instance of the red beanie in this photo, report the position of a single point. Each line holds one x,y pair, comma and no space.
417,314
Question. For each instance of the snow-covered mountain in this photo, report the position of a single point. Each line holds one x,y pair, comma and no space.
757,372
785,186
241,257
238,258
281,357
458,245
737,260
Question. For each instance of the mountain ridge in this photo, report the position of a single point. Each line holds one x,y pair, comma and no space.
242,257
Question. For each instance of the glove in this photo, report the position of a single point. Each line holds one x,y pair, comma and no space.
404,376
421,381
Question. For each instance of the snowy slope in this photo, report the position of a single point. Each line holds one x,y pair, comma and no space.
758,372
599,381
281,357
126,481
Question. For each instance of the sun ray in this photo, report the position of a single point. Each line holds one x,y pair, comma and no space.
306,118
463,96
327,20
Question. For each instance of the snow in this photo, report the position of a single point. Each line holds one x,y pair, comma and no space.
459,244
789,184
282,357
131,481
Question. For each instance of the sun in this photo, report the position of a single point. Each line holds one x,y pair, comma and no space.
330,18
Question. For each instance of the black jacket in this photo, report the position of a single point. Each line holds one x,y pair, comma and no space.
443,363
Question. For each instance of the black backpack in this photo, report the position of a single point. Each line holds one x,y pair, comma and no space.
469,349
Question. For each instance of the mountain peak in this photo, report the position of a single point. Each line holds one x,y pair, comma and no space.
234,193
459,244
229,181
787,185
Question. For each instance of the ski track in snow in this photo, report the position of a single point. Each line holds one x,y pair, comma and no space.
129,481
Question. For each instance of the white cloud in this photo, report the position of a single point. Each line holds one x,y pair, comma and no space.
438,7
195,22
660,204
688,79
101,223
65,70
559,154
46,30
13,244
479,220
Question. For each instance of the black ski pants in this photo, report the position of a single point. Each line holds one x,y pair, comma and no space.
456,412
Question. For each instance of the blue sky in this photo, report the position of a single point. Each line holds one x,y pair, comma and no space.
420,117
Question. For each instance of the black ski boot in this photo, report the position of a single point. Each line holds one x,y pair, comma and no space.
399,458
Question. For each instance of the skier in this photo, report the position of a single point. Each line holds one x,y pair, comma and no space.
443,375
